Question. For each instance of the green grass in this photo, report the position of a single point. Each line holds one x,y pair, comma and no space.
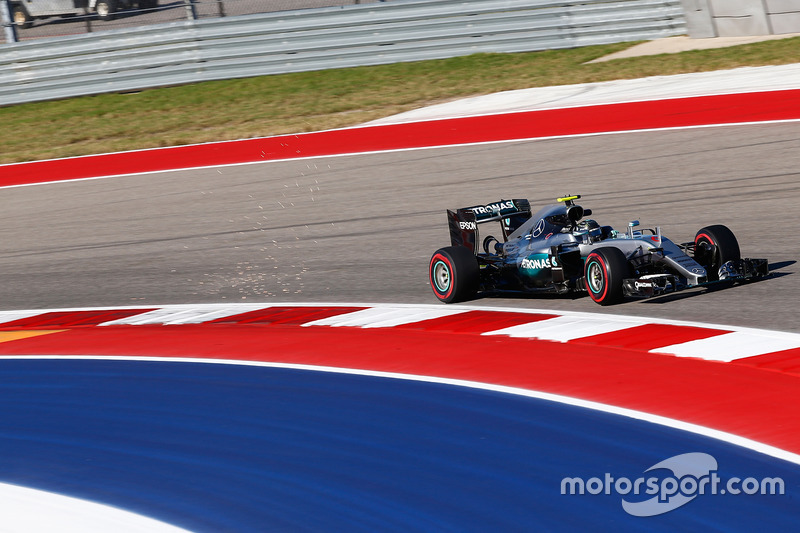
292,103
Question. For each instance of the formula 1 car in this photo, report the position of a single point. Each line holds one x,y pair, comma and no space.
556,250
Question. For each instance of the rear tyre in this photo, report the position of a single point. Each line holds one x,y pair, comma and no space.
454,274
603,272
714,246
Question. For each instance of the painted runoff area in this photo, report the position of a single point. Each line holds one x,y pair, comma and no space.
387,417
395,418
234,447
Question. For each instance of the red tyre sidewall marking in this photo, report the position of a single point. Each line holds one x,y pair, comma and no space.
603,266
706,237
434,285
710,241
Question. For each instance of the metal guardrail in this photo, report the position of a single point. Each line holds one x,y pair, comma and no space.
316,39
133,13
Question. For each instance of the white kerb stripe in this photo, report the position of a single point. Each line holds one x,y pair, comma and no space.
26,509
182,315
565,328
732,346
206,315
385,317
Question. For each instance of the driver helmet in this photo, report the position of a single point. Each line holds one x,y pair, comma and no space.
588,225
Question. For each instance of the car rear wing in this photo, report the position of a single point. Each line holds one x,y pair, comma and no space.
464,222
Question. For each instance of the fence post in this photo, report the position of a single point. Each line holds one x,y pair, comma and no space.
191,11
87,16
9,28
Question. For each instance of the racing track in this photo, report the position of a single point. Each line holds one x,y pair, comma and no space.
307,230
362,228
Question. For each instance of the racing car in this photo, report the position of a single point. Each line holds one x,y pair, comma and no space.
558,250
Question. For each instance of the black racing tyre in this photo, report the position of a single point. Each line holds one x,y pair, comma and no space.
454,274
20,17
714,246
105,9
603,272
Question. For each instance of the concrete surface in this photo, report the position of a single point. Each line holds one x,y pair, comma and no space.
682,43
745,79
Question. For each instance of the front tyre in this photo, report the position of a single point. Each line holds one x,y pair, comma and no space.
603,272
713,247
454,274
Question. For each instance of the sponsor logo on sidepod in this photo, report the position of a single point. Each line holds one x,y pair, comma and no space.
536,262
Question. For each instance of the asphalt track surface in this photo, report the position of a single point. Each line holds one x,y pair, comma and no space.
362,228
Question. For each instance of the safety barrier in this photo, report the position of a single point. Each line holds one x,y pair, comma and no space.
327,38
737,18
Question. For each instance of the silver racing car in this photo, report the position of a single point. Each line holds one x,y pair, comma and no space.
558,250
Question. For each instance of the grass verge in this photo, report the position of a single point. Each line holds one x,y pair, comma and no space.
292,103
